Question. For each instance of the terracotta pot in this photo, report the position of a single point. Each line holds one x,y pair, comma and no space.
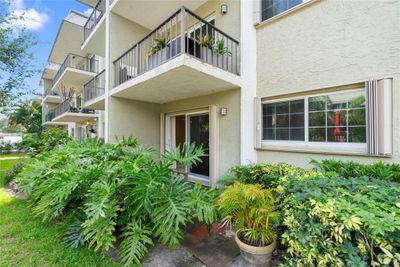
256,256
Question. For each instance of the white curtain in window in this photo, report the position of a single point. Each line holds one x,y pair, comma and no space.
380,113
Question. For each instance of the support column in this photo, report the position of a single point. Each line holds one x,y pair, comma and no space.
249,82
108,85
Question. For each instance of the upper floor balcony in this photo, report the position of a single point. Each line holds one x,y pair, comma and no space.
185,56
51,96
94,30
93,92
71,110
76,71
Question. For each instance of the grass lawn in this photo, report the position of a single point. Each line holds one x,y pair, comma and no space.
26,241
5,165
13,155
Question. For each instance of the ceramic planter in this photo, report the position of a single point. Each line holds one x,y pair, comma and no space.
256,256
159,58
220,61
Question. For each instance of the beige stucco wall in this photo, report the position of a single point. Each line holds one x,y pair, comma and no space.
228,23
326,44
136,119
229,126
123,35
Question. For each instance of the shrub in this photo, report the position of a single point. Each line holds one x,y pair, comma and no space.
13,172
340,222
267,175
251,210
349,169
117,191
52,137
5,147
329,220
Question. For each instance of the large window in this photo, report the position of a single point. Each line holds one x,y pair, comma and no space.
337,118
284,120
270,8
330,118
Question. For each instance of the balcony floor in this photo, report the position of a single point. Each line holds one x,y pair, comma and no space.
74,117
97,103
179,78
52,99
74,78
95,43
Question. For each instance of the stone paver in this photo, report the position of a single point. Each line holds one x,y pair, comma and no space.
161,255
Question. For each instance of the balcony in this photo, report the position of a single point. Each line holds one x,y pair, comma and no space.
48,120
75,71
70,110
94,30
93,92
51,97
183,57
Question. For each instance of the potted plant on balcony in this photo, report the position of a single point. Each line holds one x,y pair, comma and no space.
159,52
224,56
250,209
206,43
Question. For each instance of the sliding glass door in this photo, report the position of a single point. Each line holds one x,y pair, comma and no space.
190,128
198,133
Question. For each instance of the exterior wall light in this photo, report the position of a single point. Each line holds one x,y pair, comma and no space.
224,111
224,9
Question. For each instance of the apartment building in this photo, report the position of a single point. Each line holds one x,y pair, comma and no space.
252,81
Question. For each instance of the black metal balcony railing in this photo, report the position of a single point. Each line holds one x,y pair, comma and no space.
49,116
94,18
77,62
182,33
95,87
71,105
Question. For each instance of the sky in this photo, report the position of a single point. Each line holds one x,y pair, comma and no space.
44,19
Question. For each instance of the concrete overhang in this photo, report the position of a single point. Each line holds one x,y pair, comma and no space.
150,14
51,123
179,78
56,99
91,3
50,71
74,78
95,43
97,103
69,38
75,117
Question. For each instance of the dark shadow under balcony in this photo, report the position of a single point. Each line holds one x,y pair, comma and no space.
183,57
76,71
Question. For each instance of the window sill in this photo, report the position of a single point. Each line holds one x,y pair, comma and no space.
284,14
312,150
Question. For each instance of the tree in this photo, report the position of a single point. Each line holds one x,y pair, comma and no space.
15,56
28,114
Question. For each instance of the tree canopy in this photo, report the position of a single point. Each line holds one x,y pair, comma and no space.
16,59
28,114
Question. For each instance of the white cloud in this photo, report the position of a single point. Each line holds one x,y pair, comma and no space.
88,11
33,19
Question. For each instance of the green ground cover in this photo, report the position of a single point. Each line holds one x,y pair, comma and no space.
27,241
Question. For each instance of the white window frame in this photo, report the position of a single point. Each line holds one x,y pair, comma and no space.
303,2
306,144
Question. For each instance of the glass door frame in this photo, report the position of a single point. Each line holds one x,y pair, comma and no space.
170,142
